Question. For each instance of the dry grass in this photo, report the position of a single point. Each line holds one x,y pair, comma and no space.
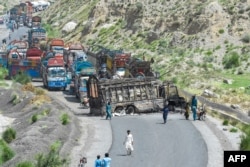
41,96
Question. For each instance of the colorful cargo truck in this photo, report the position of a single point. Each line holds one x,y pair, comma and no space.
83,70
54,74
29,65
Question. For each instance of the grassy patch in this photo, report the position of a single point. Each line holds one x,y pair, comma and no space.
5,152
65,119
9,135
25,164
34,118
52,158
15,99
225,122
3,73
22,78
238,80
233,130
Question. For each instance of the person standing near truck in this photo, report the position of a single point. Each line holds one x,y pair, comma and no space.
165,113
194,106
108,111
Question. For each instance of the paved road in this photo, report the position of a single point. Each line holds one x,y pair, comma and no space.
174,144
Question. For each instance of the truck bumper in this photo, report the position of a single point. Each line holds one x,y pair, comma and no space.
56,84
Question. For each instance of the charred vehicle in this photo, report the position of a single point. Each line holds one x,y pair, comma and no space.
129,94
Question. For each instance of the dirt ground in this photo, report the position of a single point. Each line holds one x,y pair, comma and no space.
36,138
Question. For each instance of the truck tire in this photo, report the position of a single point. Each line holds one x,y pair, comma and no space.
130,110
119,110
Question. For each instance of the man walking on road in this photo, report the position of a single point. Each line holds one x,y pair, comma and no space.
165,113
194,107
108,111
129,142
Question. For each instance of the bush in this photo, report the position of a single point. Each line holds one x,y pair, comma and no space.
34,118
9,135
65,119
15,98
22,78
25,164
51,159
234,130
225,122
221,31
231,60
245,142
3,73
5,152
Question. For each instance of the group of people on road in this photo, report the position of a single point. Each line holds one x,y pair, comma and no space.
105,162
194,109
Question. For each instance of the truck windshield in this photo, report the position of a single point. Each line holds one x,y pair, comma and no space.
56,72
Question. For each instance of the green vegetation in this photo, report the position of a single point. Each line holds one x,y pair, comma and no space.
238,80
22,78
221,31
5,152
65,119
34,118
15,99
225,122
3,73
46,111
233,130
231,60
25,164
9,135
51,32
52,158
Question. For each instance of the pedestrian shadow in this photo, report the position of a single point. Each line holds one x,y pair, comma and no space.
159,122
121,155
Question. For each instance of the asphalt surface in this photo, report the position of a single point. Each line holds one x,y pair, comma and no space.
175,144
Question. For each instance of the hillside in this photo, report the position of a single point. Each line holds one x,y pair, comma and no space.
199,44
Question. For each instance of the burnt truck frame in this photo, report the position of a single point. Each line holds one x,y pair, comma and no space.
130,94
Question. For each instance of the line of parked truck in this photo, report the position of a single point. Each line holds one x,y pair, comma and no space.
95,76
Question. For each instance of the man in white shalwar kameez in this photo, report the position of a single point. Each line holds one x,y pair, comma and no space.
129,141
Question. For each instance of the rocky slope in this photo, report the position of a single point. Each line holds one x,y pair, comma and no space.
196,43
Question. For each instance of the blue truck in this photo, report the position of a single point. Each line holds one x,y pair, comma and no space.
82,70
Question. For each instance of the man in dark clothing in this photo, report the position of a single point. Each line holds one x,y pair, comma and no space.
165,113
194,107
4,41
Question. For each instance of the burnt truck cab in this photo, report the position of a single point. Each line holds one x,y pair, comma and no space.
170,93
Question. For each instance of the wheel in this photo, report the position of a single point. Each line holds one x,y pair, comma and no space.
203,116
130,110
118,110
